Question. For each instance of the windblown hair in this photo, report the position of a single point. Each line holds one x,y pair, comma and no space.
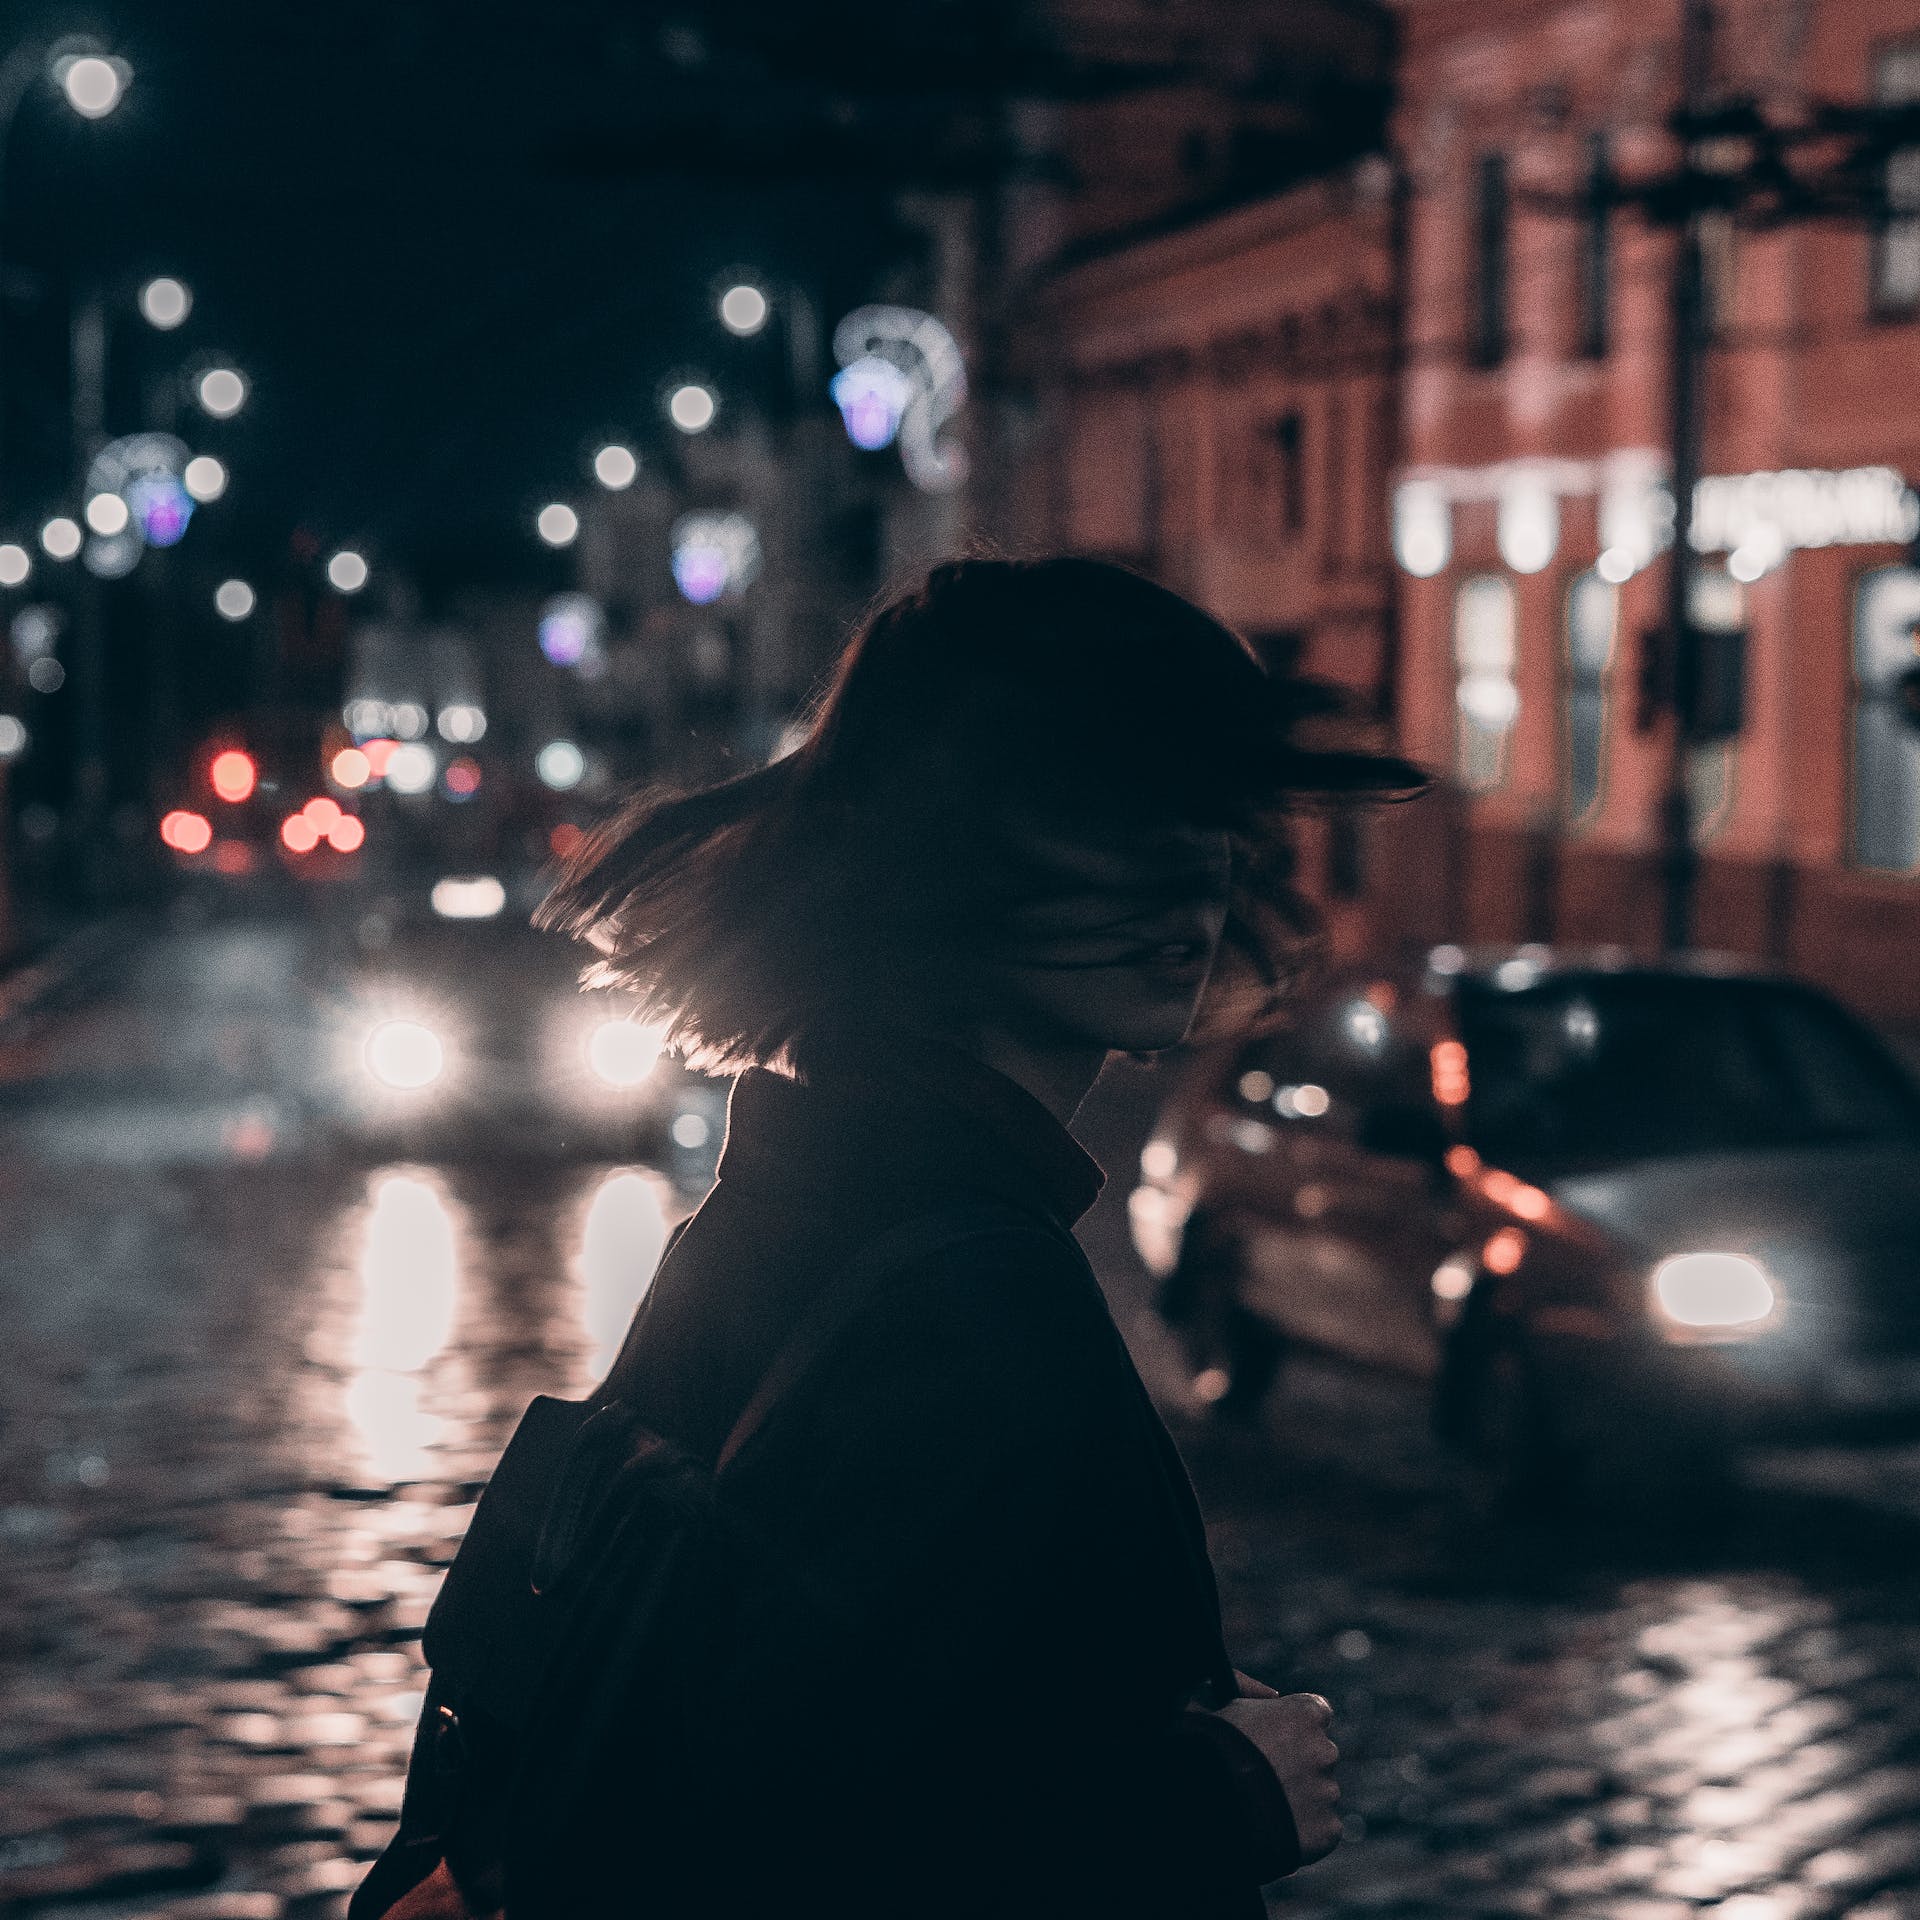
866,879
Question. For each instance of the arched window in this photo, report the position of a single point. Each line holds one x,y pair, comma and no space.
1593,619
1487,702
1884,801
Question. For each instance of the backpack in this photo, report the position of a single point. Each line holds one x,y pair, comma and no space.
563,1626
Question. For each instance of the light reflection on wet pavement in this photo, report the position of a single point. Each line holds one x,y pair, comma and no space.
253,1386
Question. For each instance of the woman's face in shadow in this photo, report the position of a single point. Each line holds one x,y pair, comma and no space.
1115,938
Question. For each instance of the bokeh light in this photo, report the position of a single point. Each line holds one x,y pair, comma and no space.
61,537
107,513
165,302
615,467
222,391
93,84
204,477
624,1053
233,775
161,506
13,736
405,1055
233,599
743,309
350,768
468,897
186,831
557,524
461,723
561,765
691,407
411,768
15,564
347,571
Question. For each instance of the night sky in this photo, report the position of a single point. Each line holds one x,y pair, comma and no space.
452,247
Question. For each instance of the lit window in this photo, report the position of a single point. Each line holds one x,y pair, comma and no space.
1593,613
1486,699
1885,798
1896,247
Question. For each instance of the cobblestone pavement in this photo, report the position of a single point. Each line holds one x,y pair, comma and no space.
253,1387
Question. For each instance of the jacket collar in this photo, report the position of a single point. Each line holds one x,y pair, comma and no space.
920,1115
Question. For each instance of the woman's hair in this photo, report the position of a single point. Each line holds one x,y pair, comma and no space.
866,878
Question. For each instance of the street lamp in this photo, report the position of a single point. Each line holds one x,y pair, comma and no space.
222,392
60,537
615,467
744,309
108,514
92,82
164,303
204,478
691,406
557,524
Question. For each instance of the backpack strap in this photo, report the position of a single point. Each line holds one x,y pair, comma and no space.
835,1307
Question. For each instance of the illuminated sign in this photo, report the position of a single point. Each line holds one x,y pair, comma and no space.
714,554
1755,518
902,379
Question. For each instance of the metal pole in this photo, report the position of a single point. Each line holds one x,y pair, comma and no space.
1680,860
89,412
17,73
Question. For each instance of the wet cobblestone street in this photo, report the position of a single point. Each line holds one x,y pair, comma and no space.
253,1387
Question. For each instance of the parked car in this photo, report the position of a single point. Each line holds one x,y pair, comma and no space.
1614,1212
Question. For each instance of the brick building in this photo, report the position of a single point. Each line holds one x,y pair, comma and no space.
1220,410
1518,427
1532,490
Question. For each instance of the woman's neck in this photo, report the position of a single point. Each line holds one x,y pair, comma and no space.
1059,1074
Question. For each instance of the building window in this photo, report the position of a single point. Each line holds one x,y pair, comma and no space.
1896,244
1593,619
1885,771
1334,434
1490,238
1487,701
1596,253
1289,446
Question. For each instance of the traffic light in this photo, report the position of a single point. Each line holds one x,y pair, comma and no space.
1711,694
1703,682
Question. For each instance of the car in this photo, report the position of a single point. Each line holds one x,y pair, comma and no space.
464,1033
1622,1216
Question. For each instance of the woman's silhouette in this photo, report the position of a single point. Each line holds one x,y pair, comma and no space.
1038,818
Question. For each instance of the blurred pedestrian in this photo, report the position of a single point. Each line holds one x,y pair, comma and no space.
967,1656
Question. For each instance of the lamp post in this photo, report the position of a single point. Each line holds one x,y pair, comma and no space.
93,83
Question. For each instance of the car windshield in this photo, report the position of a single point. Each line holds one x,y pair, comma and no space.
1628,1067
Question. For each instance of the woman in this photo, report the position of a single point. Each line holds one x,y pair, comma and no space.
1035,822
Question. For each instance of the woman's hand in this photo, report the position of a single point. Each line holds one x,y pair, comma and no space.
1290,1729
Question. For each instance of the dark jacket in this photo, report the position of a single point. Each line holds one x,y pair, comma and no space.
984,1713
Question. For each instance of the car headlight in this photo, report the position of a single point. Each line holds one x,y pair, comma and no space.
624,1054
1709,1291
404,1055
